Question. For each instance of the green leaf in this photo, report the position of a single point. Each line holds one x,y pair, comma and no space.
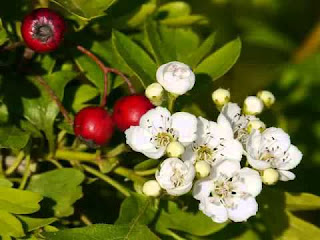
19,201
35,223
205,48
299,229
302,201
10,225
174,9
135,58
104,231
3,34
61,186
12,137
84,9
175,218
5,182
137,209
219,62
147,164
183,21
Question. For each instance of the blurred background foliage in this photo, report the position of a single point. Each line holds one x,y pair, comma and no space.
280,52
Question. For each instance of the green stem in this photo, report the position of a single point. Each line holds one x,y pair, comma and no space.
128,173
107,179
121,148
73,155
1,165
146,172
174,235
171,100
26,173
16,163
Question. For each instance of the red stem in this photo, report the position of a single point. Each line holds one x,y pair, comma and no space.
105,71
55,98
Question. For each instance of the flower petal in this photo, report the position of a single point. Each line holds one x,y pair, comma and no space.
286,175
276,138
258,164
225,128
244,209
178,191
227,167
291,159
252,180
253,144
216,211
232,112
202,188
139,139
189,155
156,120
231,150
185,125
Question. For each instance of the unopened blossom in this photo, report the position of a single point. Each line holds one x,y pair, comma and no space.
157,129
154,92
273,149
252,105
176,176
270,176
214,143
266,97
238,121
175,149
229,192
221,96
176,77
151,188
202,169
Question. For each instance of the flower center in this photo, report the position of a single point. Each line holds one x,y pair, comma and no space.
177,178
204,153
163,139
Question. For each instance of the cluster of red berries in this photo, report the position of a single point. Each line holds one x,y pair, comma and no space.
43,31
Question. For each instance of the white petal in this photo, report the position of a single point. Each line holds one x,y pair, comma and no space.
202,188
185,124
245,208
253,144
189,155
258,164
232,150
139,139
178,191
155,120
156,153
252,180
286,175
225,129
291,159
276,136
227,167
203,127
232,111
216,211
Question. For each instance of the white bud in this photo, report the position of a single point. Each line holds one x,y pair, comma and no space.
175,149
270,176
221,96
176,77
154,92
151,188
252,105
202,169
256,125
267,98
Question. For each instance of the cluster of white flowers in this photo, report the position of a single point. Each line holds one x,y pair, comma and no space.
206,156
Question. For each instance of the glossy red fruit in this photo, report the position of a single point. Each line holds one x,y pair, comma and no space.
43,30
128,110
93,125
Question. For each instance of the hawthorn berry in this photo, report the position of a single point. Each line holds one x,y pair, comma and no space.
93,125
43,30
128,110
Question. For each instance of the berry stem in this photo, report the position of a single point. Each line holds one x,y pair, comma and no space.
55,98
105,71
16,164
26,173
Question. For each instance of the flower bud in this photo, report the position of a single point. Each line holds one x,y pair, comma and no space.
154,92
176,77
175,149
267,98
270,176
256,125
151,188
202,169
252,105
221,97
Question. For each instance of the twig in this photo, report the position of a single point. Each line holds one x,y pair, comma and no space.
309,45
11,46
85,219
105,71
55,98
26,173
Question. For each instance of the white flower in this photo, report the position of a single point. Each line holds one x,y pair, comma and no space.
151,188
221,96
272,149
229,192
214,143
176,176
239,123
154,92
157,128
252,105
176,77
267,98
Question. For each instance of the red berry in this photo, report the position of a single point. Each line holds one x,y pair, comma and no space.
94,125
43,30
128,110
